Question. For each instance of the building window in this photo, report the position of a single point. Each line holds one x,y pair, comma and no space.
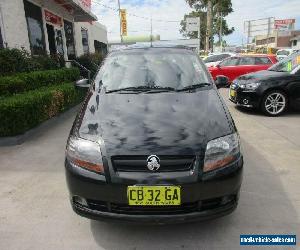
85,41
35,28
59,41
69,33
295,43
1,40
100,47
271,40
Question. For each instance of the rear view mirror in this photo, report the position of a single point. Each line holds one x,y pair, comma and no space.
221,82
83,83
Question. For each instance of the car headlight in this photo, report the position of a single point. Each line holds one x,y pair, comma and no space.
221,151
250,86
85,154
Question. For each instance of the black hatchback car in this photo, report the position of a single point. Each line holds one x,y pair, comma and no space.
273,90
153,142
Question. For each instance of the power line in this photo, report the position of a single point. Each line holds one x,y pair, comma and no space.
131,14
106,6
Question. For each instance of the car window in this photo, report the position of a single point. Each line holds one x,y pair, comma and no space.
232,61
247,61
288,64
174,68
297,71
215,58
283,53
262,60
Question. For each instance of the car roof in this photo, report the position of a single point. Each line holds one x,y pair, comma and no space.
149,46
285,49
255,55
223,53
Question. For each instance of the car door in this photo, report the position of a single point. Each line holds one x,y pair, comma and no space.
246,65
263,63
294,89
228,67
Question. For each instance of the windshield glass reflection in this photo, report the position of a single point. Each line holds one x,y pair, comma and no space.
152,68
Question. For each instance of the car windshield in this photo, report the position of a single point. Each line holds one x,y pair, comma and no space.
215,58
232,61
155,68
283,53
288,64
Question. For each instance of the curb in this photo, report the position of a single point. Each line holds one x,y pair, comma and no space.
20,139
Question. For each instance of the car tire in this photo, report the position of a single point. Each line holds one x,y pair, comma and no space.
274,103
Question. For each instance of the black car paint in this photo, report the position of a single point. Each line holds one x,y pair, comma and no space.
270,80
164,123
168,123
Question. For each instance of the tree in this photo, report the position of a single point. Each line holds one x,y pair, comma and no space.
217,22
219,10
224,6
194,34
215,30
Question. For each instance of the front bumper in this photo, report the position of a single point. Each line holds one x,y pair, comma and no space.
155,219
211,196
244,98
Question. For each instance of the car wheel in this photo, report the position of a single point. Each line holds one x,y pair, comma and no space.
274,103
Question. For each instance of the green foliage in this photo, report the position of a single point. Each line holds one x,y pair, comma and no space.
22,112
225,29
14,61
91,62
223,6
23,82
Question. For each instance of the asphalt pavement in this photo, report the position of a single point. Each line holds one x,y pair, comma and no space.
35,212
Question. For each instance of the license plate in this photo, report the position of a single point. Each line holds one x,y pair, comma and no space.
232,93
154,195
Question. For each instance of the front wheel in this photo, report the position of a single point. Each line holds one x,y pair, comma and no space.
274,103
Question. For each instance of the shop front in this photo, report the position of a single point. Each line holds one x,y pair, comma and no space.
48,26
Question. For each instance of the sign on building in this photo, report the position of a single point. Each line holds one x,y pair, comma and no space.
52,18
86,3
258,27
284,24
192,24
123,22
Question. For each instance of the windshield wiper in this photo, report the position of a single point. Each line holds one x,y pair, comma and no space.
194,86
158,89
138,88
148,89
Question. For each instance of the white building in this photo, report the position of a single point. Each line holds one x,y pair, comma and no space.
296,43
66,27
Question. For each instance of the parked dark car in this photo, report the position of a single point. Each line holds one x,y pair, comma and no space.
273,90
153,142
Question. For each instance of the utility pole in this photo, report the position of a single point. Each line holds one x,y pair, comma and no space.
151,36
221,31
268,34
120,21
199,34
209,25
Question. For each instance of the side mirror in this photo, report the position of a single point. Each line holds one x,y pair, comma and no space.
221,82
83,83
218,66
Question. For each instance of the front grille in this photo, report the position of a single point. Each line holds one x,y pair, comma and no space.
184,208
139,163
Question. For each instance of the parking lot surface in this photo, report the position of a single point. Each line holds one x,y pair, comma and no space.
35,212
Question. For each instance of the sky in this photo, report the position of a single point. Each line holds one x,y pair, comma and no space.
167,14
